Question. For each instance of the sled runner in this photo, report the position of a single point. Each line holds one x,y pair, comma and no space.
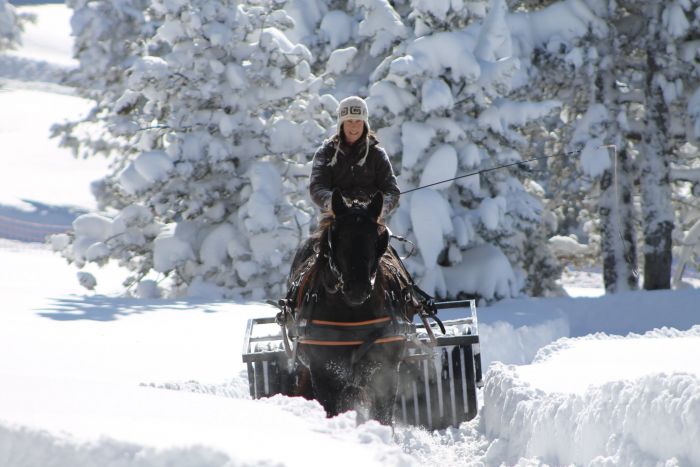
437,381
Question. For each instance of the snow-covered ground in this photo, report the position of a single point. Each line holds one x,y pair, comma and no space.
97,379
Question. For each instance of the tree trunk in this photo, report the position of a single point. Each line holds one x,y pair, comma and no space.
618,239
657,210
616,210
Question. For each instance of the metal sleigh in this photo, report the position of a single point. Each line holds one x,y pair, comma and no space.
437,383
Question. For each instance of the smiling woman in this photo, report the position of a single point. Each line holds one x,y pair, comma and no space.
353,161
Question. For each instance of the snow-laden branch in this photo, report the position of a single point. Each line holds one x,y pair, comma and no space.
685,175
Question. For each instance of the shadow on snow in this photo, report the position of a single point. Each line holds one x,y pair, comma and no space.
36,220
104,308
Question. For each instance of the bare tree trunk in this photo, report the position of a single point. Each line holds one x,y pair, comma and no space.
616,210
618,239
657,210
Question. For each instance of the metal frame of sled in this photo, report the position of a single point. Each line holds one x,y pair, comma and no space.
437,385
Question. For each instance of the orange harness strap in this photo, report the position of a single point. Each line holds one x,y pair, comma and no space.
345,323
383,340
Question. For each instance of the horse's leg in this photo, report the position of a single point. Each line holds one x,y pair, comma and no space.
302,382
383,385
329,379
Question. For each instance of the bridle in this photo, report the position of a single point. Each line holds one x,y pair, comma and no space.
333,266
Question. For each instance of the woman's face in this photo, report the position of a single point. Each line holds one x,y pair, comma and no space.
352,130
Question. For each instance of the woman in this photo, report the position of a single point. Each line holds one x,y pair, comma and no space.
353,161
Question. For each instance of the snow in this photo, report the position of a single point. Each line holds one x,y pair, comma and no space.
595,158
442,165
93,377
340,60
567,246
674,20
384,24
494,41
415,138
506,113
430,215
337,26
634,401
437,52
153,166
492,211
170,251
484,270
436,95
306,15
635,357
213,251
558,23
60,173
385,94
47,40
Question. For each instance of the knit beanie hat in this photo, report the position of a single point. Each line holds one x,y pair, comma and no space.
352,108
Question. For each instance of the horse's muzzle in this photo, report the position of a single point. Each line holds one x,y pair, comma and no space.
357,294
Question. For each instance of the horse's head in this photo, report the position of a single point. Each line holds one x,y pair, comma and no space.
356,242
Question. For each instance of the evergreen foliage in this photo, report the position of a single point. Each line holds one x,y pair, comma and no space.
212,196
446,117
11,25
210,112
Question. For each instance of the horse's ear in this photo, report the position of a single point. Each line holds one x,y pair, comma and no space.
338,203
383,243
375,206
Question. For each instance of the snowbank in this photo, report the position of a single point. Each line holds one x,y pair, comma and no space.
144,426
651,418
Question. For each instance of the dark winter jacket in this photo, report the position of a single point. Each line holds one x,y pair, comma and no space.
354,178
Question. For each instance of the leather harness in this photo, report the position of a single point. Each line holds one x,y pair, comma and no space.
296,315
296,319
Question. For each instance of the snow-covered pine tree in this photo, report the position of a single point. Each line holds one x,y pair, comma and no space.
607,158
442,117
647,68
109,36
429,16
11,25
671,67
557,62
213,200
347,39
642,70
571,60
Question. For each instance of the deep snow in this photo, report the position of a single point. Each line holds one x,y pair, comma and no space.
95,378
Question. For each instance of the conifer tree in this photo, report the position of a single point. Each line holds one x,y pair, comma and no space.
443,117
109,37
11,25
347,39
212,198
628,81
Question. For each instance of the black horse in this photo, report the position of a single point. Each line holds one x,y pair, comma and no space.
352,309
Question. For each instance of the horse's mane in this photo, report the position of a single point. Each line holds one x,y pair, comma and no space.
324,224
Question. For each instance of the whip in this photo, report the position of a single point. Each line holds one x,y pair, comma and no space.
561,154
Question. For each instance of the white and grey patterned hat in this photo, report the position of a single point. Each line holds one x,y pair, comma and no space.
352,108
